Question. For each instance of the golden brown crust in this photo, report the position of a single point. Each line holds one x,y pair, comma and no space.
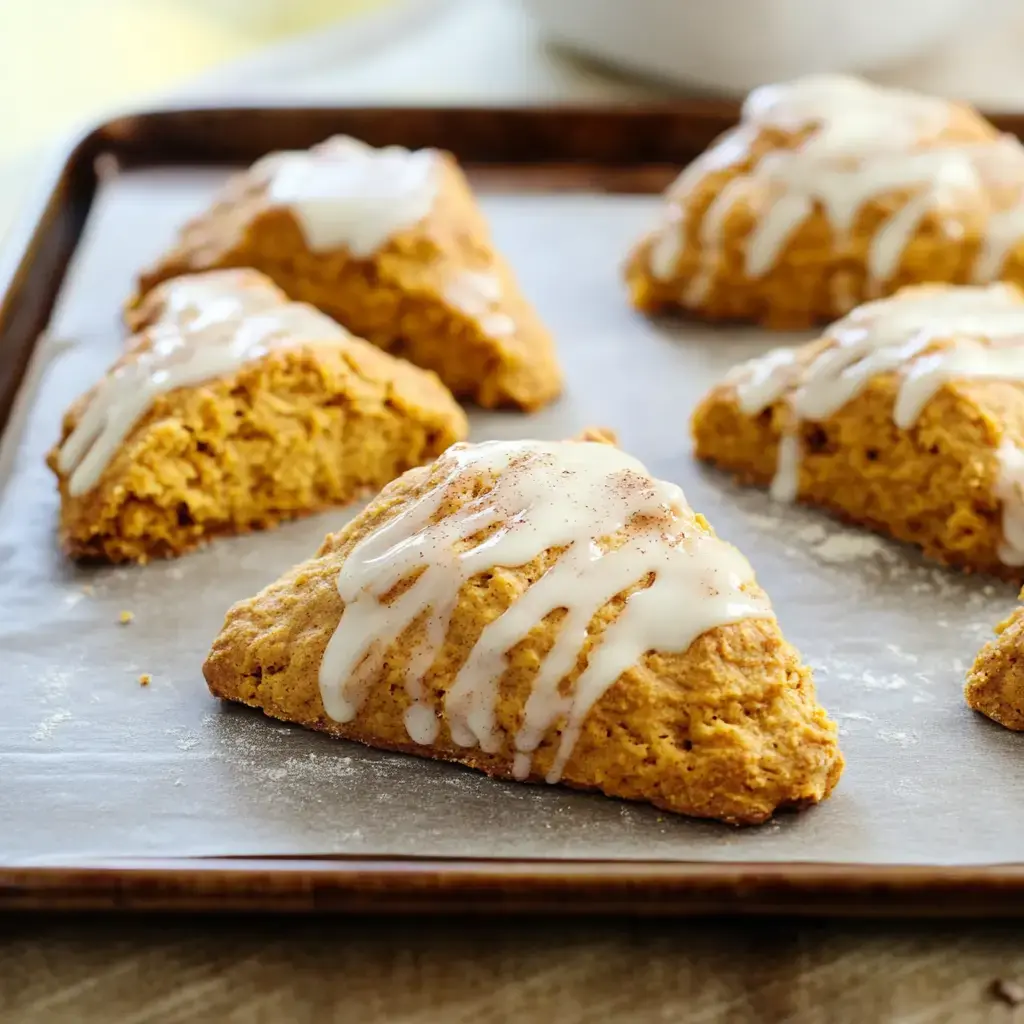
995,683
932,485
730,729
295,432
818,274
394,299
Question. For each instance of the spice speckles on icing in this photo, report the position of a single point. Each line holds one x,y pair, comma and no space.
478,295
540,496
186,347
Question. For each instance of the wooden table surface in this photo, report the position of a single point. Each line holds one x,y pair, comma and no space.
483,970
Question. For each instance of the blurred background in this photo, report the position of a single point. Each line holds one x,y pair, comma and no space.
66,63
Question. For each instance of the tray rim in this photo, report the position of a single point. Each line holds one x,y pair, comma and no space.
45,237
396,885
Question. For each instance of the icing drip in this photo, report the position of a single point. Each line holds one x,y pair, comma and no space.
667,245
347,195
786,483
853,113
863,141
761,381
197,300
543,495
1005,231
929,336
477,295
730,149
1010,491
180,355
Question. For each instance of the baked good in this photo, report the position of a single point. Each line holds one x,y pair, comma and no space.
542,611
221,420
907,416
392,245
995,683
830,192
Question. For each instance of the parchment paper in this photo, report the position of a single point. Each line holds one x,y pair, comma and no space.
94,765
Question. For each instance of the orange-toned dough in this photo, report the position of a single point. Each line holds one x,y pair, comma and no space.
295,431
402,297
933,484
995,683
698,259
729,729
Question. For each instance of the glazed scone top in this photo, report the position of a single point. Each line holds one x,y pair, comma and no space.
347,195
621,531
930,336
215,295
851,117
184,348
835,143
478,294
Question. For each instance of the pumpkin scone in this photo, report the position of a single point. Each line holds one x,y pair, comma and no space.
907,416
832,191
391,244
220,420
542,611
995,683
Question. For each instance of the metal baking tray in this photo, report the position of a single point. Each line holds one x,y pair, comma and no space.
117,795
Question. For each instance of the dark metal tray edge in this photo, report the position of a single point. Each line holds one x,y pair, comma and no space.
398,885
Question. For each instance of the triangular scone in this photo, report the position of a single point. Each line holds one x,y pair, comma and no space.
907,416
995,683
829,192
218,420
392,245
542,611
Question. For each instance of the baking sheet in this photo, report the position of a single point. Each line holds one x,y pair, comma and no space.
92,764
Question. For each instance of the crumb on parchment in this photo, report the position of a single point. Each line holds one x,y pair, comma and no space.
145,679
126,617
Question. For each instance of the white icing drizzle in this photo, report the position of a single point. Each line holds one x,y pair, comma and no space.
710,233
759,382
196,300
1005,231
930,336
864,141
544,495
180,355
1010,491
478,294
731,148
347,195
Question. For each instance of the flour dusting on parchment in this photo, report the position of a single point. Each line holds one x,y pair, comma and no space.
54,697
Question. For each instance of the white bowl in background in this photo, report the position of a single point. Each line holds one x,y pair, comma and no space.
731,46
